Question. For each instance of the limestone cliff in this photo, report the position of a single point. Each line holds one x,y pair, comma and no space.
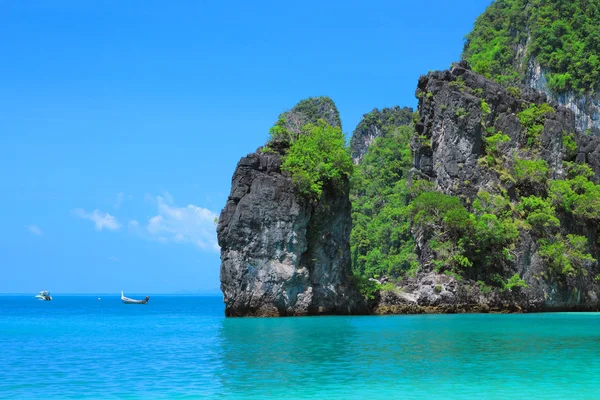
471,139
551,46
517,230
281,253
585,107
375,124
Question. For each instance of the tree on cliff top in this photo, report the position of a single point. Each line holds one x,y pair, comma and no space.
289,126
309,138
317,158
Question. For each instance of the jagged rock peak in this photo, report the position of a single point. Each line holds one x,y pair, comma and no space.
376,124
284,254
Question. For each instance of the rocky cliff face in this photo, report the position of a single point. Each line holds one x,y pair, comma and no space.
551,46
451,131
458,109
375,124
510,165
585,107
281,254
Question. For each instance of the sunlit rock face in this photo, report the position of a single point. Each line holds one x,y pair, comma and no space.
282,254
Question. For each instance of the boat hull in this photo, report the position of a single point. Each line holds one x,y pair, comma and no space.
134,301
127,300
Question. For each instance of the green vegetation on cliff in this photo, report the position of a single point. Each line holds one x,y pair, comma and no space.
309,137
381,240
563,36
403,223
577,195
474,244
524,208
289,127
375,124
317,158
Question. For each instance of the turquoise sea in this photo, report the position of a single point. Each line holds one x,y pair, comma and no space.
183,347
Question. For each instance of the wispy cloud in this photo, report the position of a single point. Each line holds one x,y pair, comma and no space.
34,229
114,259
190,224
120,198
168,198
100,219
153,199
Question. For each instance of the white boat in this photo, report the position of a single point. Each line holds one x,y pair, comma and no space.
127,300
44,295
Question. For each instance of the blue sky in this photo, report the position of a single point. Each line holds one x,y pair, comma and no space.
121,122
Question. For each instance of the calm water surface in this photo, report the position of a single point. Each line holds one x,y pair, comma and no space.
183,347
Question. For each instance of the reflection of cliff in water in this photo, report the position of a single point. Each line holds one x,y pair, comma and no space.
267,357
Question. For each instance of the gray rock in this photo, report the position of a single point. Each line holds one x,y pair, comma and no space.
585,107
448,143
281,254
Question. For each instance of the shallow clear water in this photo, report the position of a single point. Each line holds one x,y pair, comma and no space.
182,347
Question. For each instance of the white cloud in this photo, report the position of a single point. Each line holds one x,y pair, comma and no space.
154,224
34,229
190,224
100,219
171,224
